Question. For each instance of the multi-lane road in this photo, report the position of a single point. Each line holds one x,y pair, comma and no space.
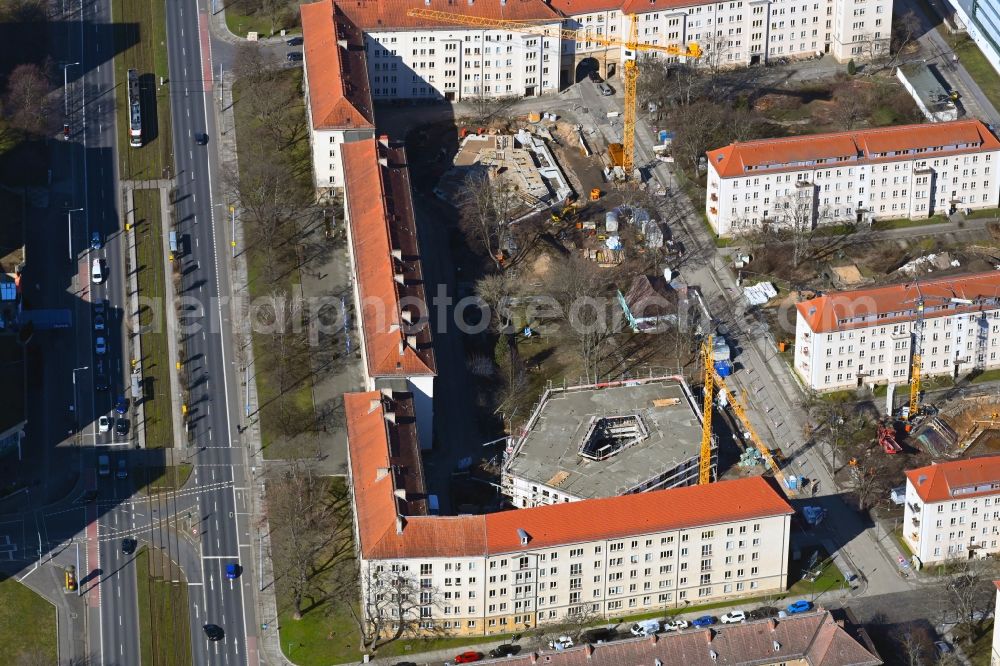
205,526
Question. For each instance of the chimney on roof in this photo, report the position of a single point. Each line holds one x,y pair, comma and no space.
523,536
503,3
400,524
776,645
588,649
657,662
381,473
399,277
384,161
712,653
427,3
709,635
400,493
402,349
840,623
387,393
397,254
653,638
771,624
921,479
342,43
411,340
406,316
390,416
470,2
534,657
374,404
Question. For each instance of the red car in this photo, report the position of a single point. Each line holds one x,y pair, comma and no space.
468,657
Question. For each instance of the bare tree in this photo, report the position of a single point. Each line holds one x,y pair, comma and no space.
308,536
716,48
26,102
968,594
497,290
797,214
699,127
874,52
852,106
393,604
591,318
488,209
484,108
913,648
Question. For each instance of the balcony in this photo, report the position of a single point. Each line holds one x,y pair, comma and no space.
914,536
916,521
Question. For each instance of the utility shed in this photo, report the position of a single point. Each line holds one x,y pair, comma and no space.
924,85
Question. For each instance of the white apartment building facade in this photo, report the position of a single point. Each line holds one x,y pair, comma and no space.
952,510
846,339
507,571
908,171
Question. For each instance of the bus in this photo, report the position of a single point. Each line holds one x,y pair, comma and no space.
134,111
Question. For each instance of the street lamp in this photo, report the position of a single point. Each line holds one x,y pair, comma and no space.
65,67
69,230
76,414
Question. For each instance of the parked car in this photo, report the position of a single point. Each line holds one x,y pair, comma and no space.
103,424
763,613
95,240
505,650
101,383
129,545
605,89
561,643
675,625
122,465
733,617
294,41
100,346
703,621
468,657
98,323
294,56
942,648
121,405
645,628
594,76
97,271
800,606
121,428
232,570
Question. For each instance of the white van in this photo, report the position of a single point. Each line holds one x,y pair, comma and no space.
645,628
96,272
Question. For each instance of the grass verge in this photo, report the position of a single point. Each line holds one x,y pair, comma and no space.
888,225
976,64
27,625
240,24
978,653
155,360
987,376
164,625
161,479
279,409
141,44
830,578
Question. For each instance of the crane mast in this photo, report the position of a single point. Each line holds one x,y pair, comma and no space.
705,459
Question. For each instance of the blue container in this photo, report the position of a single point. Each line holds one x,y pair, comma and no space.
723,368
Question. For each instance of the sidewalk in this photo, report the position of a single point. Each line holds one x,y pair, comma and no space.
269,641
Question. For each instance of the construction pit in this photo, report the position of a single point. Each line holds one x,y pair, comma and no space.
968,427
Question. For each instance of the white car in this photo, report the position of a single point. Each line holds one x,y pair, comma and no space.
675,625
561,643
103,424
96,272
100,346
733,617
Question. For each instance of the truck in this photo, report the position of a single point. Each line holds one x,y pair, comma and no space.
645,628
103,465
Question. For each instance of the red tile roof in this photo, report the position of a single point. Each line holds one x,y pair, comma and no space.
858,147
376,506
814,637
380,215
577,7
383,15
646,6
335,68
957,479
845,310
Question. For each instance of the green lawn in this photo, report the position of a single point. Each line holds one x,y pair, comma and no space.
979,652
975,64
987,376
830,578
164,633
985,213
240,24
152,320
159,479
140,35
295,404
887,225
27,625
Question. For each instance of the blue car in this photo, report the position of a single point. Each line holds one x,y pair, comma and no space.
798,607
121,405
703,621
232,570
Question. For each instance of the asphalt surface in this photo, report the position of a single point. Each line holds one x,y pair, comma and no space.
212,419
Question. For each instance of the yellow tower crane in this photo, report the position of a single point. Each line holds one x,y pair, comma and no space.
632,46
705,460
713,383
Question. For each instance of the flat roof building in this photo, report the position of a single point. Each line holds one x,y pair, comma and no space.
603,441
922,83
